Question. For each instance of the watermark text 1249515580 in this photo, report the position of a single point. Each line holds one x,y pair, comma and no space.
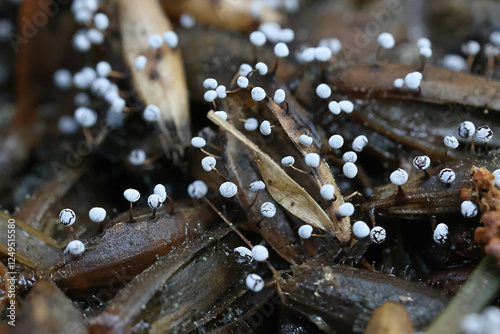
11,264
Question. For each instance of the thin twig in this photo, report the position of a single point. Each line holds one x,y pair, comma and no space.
480,289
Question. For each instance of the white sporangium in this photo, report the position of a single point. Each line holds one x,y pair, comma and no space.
322,53
386,40
359,143
350,170
228,189
265,128
360,229
440,233
97,214
260,253
254,282
312,160
336,141
450,142
258,94
346,210
208,163
399,177
171,39
305,140
323,91
305,231
67,217
268,209
256,186
447,175
327,191
151,113
279,96
377,234
197,189
468,209
251,124
75,247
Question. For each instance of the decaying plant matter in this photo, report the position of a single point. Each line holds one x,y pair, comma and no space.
227,166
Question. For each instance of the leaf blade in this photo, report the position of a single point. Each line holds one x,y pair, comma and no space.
280,185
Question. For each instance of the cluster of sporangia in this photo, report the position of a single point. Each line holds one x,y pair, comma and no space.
97,82
97,214
466,130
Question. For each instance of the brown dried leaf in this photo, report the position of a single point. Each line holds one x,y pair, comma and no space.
33,248
229,14
241,167
35,209
282,187
249,303
398,123
127,248
163,81
127,304
48,310
430,196
439,85
322,174
341,295
277,231
217,278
